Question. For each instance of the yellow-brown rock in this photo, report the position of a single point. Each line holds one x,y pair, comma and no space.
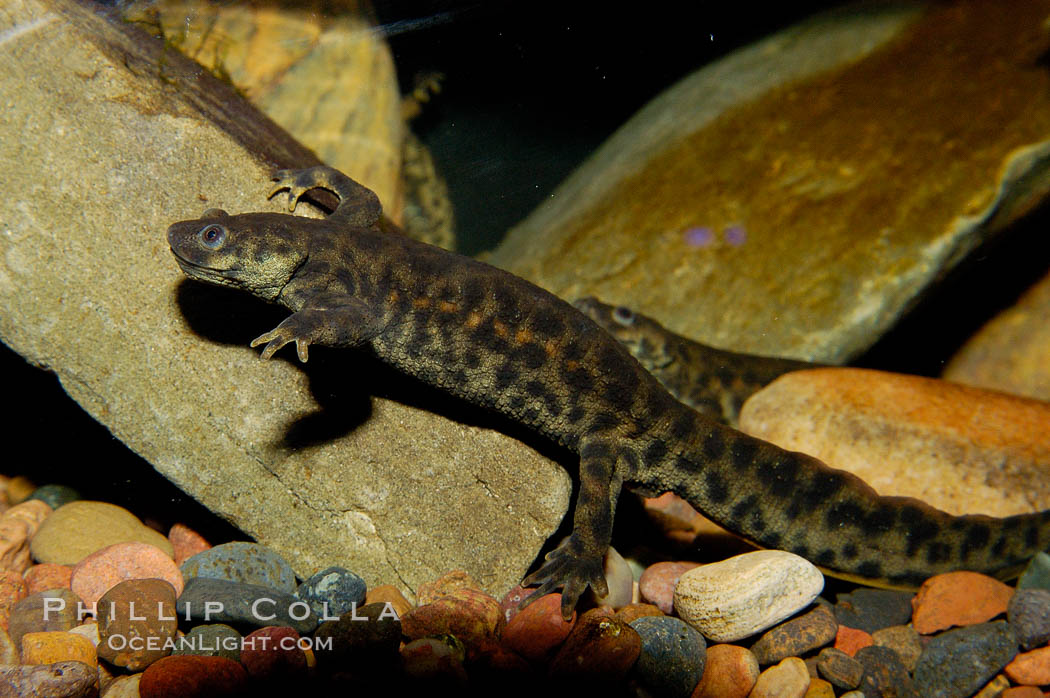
1012,352
961,449
795,197
57,646
83,527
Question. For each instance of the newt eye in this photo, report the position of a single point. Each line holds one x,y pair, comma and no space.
212,236
624,316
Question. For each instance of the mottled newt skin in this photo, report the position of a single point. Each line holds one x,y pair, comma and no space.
712,381
499,341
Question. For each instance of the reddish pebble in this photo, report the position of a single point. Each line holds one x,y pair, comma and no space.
958,598
471,615
850,640
510,604
185,542
729,672
658,581
429,592
12,590
47,576
389,594
192,675
103,569
634,611
539,629
1022,692
598,646
273,653
1031,668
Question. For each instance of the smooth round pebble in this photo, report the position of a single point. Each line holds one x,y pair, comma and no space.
730,672
1037,574
599,646
47,576
620,579
103,569
884,673
738,597
79,528
136,608
55,609
123,687
211,640
797,636
185,542
657,583
273,654
190,675
987,647
1031,668
672,657
389,594
55,495
248,563
839,668
239,603
788,679
850,640
1029,615
538,630
57,646
958,598
333,592
903,640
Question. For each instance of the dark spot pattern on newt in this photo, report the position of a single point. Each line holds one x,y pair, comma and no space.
499,341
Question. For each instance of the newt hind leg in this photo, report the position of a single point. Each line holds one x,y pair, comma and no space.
358,206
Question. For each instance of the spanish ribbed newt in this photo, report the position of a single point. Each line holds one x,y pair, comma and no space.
498,341
713,381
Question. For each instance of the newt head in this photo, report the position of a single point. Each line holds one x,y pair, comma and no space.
642,335
256,252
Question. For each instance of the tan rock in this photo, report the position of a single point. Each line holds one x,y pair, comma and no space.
9,652
746,594
66,679
123,687
17,526
19,488
80,528
775,202
12,590
1012,352
994,688
388,593
729,672
788,679
248,439
819,688
57,646
963,450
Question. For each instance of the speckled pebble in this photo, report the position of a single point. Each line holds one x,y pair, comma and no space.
59,680
884,673
839,668
633,611
1029,614
247,563
55,609
1031,668
537,630
746,594
730,672
788,679
360,646
57,646
903,640
79,528
1037,574
190,675
18,525
9,652
185,542
849,640
434,660
872,609
510,604
672,658
658,581
797,636
333,592
988,648
598,646
620,579
55,495
389,594
137,608
103,569
237,602
13,589
819,688
471,615
211,640
273,653
429,592
958,598
47,576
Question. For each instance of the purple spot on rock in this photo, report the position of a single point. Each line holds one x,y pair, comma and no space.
700,236
736,235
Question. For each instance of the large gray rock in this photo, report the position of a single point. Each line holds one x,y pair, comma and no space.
105,139
797,196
